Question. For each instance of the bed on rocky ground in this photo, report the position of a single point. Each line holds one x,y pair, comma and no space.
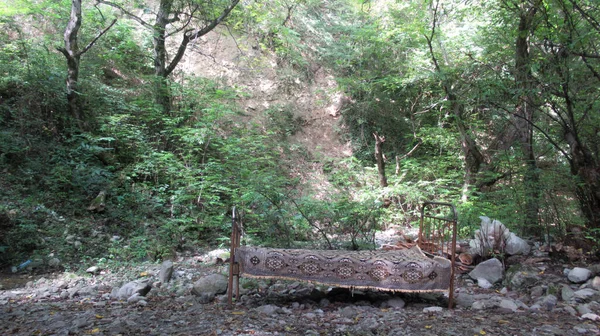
428,266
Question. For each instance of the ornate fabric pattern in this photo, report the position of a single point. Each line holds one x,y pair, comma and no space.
401,270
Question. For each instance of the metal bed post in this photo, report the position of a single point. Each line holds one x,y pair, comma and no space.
234,267
434,235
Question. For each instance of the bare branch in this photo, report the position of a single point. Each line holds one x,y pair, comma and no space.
126,12
189,36
91,44
546,135
590,19
411,151
589,66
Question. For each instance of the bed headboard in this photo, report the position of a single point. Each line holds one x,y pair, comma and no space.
437,234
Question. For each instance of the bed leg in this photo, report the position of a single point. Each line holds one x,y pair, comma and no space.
234,269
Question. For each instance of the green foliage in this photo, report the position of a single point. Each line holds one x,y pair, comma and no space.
171,178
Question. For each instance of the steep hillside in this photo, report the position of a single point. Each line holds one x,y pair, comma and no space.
310,102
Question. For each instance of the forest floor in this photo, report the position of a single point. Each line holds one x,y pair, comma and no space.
70,304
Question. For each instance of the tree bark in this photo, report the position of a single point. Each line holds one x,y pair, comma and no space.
379,140
73,54
473,156
524,114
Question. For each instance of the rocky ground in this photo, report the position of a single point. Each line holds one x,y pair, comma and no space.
537,299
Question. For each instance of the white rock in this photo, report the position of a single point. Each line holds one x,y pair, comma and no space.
268,309
433,310
478,305
131,288
508,305
584,293
134,298
596,282
535,307
579,275
491,270
516,245
483,283
395,303
590,316
93,270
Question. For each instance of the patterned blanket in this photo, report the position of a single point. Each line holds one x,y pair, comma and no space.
403,270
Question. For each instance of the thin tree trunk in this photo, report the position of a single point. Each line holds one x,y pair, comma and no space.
525,114
73,54
379,140
473,156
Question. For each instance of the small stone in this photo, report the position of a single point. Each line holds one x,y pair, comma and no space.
93,270
397,303
584,294
54,262
596,283
267,309
483,283
134,298
570,310
549,302
324,302
567,293
535,307
166,271
579,275
464,300
590,316
537,291
478,305
583,309
131,288
491,270
509,305
348,312
433,310
209,286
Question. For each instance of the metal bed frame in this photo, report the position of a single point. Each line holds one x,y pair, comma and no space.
437,237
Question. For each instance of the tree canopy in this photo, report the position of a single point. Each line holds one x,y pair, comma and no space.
490,105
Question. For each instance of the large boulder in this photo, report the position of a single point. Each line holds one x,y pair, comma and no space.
490,270
207,287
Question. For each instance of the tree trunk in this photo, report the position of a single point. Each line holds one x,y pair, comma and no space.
473,156
73,54
162,94
379,140
524,114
